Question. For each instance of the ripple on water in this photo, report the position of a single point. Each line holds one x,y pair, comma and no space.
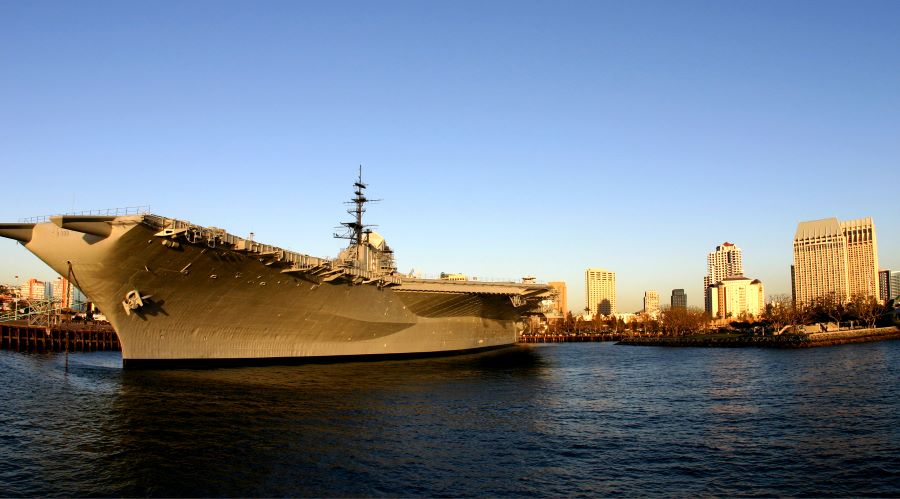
554,420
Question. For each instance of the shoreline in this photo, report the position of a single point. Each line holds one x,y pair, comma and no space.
783,341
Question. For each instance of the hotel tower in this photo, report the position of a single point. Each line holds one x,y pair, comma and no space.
725,261
600,286
839,258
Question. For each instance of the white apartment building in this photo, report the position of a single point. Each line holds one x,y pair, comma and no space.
33,290
600,287
736,296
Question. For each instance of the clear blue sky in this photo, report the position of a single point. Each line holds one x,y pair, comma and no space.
505,138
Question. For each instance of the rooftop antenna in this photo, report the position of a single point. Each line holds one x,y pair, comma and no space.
355,229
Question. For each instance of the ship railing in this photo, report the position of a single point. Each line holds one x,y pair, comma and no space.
472,279
216,236
372,275
106,212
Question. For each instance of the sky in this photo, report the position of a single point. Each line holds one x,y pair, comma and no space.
504,138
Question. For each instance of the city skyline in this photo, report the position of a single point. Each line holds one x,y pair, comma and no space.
492,132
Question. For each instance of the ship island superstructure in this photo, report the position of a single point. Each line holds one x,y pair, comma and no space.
179,292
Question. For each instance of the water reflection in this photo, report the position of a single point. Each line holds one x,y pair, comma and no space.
321,429
545,420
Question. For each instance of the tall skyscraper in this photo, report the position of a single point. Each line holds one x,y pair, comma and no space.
835,258
679,299
895,284
560,304
725,261
600,288
651,302
862,257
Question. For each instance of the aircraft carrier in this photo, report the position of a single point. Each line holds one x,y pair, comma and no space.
180,293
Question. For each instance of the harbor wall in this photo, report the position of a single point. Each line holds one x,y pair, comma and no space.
781,341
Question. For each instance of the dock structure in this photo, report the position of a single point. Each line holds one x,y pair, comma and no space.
64,337
568,338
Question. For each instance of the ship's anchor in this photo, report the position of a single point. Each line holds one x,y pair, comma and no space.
133,301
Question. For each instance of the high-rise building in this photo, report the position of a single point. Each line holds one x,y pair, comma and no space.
651,302
895,284
725,261
736,296
33,290
862,257
820,261
560,305
679,299
835,258
793,286
884,285
62,291
600,288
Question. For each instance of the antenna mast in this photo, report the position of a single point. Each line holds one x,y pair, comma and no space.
356,228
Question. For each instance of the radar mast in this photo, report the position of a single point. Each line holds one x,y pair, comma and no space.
356,229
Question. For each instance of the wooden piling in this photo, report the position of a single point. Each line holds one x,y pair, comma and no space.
570,337
64,337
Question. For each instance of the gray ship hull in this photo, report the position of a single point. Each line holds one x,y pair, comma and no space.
177,298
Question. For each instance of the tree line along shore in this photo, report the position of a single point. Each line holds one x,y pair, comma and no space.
783,324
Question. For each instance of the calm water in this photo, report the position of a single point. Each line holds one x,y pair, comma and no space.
569,419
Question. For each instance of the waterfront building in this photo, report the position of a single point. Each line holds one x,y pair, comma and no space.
895,285
725,261
862,257
793,286
736,297
835,258
627,317
651,302
679,299
33,290
62,291
600,290
560,305
884,283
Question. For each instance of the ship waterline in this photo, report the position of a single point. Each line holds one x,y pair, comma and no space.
175,291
